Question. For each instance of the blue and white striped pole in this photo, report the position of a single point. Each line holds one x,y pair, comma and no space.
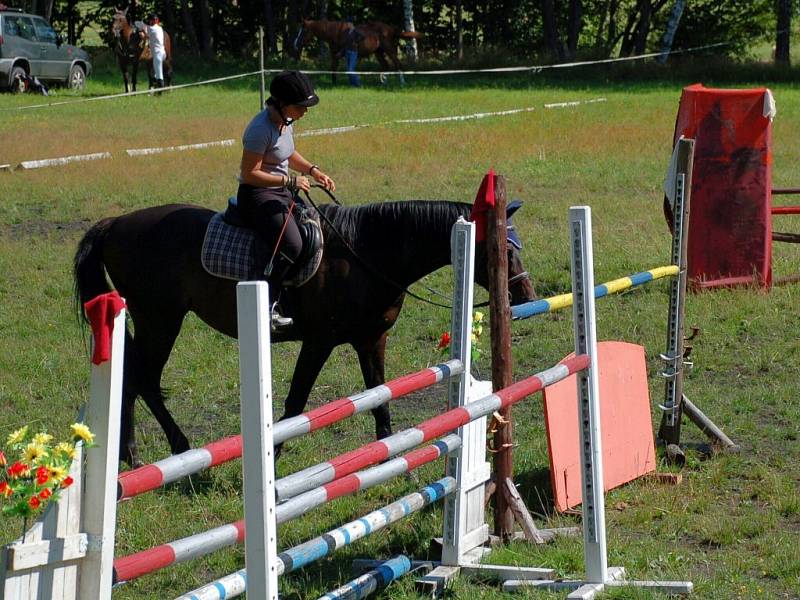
371,581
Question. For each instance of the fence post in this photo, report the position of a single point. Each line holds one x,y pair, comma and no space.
500,323
99,510
594,516
464,522
258,461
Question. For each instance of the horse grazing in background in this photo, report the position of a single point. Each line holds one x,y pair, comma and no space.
371,254
130,47
376,38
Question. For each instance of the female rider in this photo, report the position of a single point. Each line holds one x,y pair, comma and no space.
265,184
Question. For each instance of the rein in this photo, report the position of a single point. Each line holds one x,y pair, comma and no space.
363,262
374,271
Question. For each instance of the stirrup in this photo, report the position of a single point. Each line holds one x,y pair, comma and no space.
278,321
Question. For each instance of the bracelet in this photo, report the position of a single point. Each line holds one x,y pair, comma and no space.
312,167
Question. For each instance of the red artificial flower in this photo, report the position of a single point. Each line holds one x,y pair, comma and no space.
34,502
17,470
444,341
5,489
42,475
3,461
68,481
45,494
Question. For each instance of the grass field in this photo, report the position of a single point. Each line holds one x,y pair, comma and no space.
732,527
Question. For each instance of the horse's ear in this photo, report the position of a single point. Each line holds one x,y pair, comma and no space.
511,231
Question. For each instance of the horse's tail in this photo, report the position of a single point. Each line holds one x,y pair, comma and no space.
88,270
411,35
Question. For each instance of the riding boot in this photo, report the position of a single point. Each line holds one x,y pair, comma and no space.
274,273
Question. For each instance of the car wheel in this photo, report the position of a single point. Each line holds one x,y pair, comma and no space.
77,78
16,80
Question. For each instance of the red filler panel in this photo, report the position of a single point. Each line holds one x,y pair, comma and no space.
626,426
730,230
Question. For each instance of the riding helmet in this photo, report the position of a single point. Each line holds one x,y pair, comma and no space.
293,87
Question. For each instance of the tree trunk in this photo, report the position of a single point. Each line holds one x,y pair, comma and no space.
188,26
784,30
72,17
322,15
574,26
408,25
167,15
627,34
550,31
643,28
47,9
672,27
611,39
206,40
459,31
269,18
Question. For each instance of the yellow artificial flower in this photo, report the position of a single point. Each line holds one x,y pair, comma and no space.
477,317
66,449
474,338
34,452
42,438
15,437
81,431
477,330
58,473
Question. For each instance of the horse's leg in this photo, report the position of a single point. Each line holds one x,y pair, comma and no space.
124,68
134,73
371,355
154,338
309,363
128,451
334,63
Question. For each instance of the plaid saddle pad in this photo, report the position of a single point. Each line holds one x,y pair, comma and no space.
235,253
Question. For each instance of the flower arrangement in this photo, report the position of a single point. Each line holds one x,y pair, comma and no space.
38,470
477,331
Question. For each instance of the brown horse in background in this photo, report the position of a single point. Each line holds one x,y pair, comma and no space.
130,47
376,38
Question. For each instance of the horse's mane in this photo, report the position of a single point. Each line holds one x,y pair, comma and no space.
359,223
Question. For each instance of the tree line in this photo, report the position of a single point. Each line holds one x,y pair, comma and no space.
553,30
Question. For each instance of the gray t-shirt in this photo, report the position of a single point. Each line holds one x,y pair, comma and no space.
262,136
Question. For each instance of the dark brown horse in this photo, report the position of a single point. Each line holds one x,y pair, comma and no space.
152,256
375,38
130,47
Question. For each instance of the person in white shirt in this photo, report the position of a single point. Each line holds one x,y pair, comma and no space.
155,37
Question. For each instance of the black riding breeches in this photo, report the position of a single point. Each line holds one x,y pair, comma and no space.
266,211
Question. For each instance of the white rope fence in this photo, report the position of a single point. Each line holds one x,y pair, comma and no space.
51,162
529,68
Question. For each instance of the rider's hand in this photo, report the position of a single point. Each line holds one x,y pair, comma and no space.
323,180
303,183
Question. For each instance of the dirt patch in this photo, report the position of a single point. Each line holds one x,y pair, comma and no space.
39,228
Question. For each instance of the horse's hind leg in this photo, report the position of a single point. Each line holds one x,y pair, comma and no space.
128,451
371,354
153,342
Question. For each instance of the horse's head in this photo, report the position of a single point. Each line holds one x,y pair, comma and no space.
520,287
119,22
303,37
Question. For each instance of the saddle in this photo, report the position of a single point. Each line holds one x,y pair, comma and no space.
233,251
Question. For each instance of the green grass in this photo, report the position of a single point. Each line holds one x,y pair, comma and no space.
732,527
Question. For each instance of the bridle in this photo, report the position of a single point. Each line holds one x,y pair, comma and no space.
511,280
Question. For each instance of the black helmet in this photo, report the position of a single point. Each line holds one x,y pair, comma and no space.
293,87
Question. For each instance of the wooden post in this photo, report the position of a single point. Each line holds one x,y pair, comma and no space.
261,66
500,321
